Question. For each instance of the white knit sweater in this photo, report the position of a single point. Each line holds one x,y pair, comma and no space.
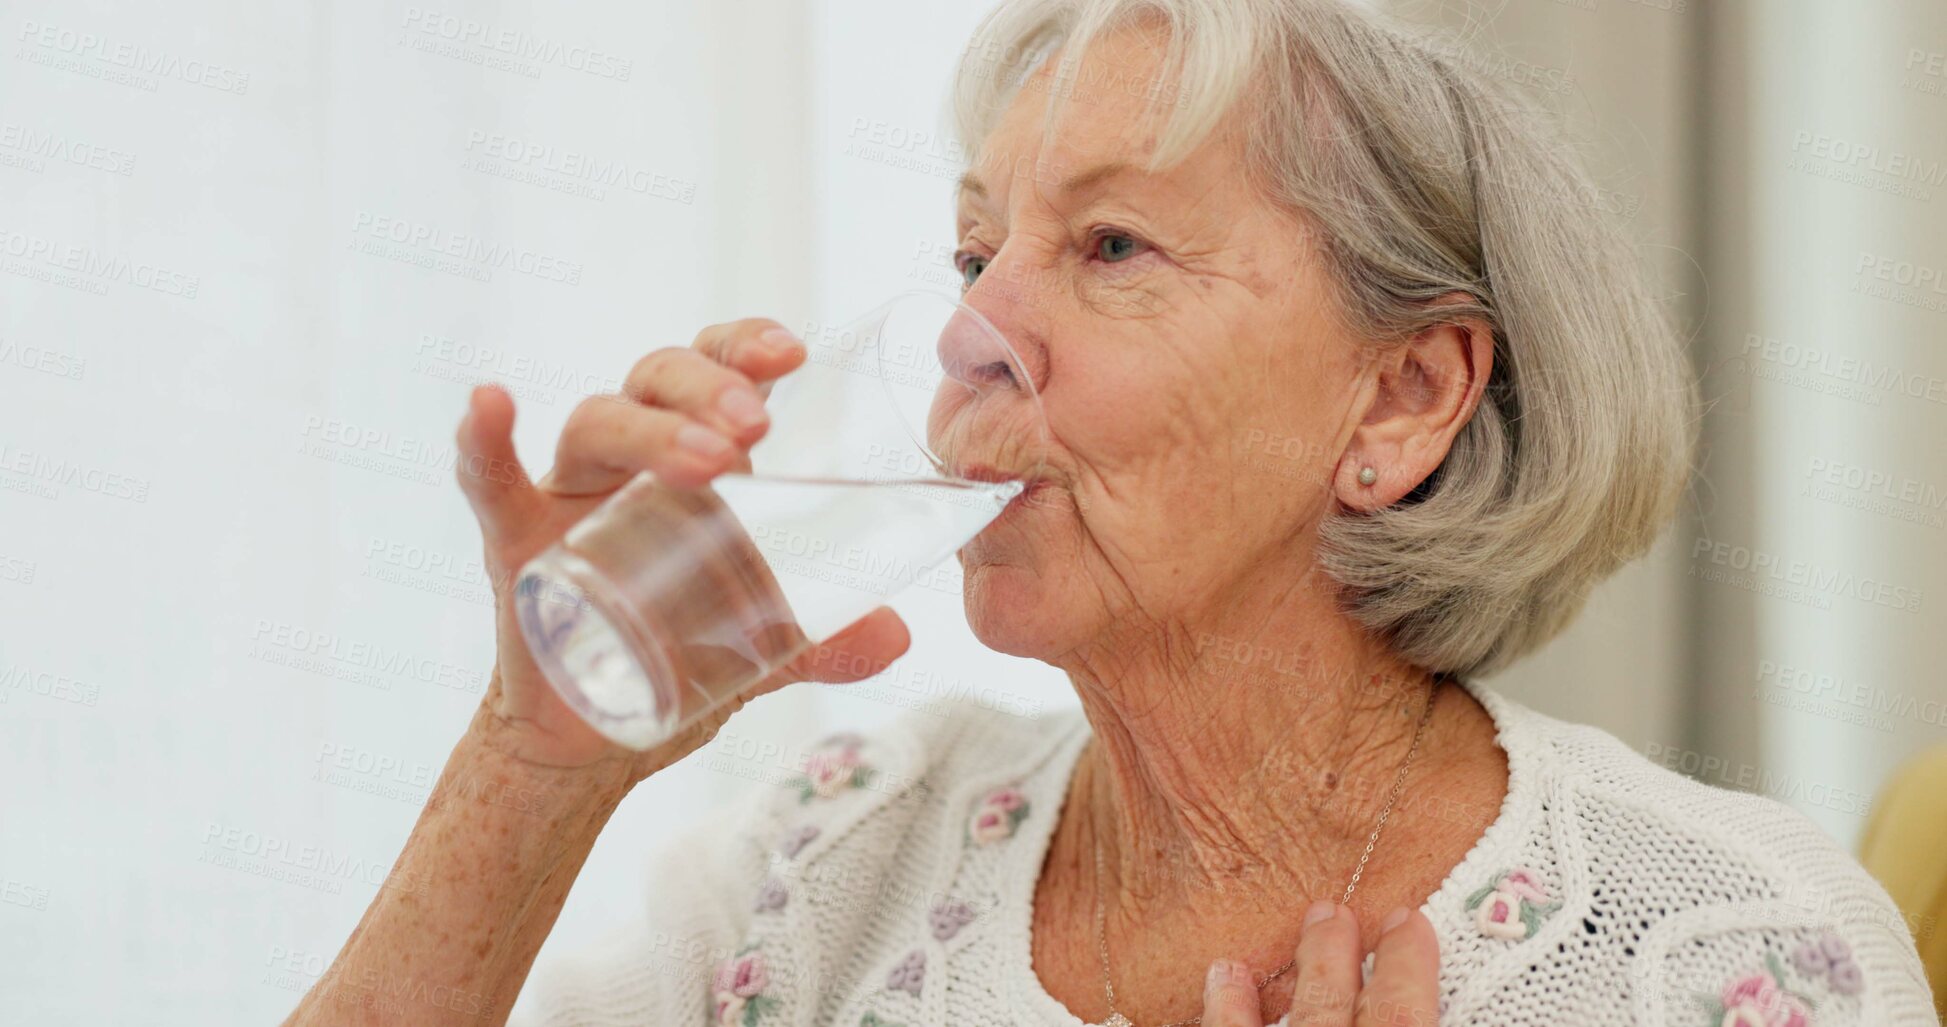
890,884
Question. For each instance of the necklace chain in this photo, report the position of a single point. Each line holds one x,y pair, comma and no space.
1116,1019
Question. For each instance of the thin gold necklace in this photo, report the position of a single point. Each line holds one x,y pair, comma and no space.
1116,1019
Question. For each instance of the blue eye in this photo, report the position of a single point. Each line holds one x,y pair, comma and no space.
1116,248
970,269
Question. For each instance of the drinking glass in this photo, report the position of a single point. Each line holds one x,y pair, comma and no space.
902,435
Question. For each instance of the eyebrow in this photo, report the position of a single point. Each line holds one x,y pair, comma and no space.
970,183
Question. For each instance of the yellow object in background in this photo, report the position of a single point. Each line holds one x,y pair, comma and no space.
1905,847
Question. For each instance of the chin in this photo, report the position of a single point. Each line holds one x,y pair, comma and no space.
1008,608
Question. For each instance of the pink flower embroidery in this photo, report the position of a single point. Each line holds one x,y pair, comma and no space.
999,815
743,975
1007,799
1512,905
833,769
737,998
1525,883
990,826
1757,1000
1500,916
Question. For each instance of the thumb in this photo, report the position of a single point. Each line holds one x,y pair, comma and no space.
488,469
866,647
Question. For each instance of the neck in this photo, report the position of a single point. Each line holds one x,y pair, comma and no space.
1238,761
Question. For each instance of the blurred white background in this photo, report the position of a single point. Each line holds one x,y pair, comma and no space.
242,614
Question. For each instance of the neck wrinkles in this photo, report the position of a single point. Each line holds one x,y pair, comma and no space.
1246,768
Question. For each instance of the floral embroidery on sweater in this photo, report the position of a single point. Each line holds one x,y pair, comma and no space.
947,918
832,768
737,998
875,1020
799,837
771,897
909,974
1758,999
998,816
1828,958
1512,905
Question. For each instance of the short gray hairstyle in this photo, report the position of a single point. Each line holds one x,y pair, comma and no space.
1422,179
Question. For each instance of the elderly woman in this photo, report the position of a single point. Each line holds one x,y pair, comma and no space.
1352,399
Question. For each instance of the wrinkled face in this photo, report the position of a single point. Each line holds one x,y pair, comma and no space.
1179,331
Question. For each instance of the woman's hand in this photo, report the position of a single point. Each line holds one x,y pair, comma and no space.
1403,991
685,414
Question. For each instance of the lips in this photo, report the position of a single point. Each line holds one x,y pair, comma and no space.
1034,490
987,472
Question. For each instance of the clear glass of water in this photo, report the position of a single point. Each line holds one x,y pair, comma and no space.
902,435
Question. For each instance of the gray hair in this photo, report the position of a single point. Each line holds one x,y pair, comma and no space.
1424,179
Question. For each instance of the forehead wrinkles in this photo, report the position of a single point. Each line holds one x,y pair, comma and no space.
1057,127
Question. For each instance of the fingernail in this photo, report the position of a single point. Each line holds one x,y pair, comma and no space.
702,441
1225,971
1393,919
1215,977
1319,911
744,407
778,341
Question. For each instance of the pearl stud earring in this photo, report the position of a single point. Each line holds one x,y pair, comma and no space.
1367,475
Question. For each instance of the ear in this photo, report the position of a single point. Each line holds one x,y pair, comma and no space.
1418,396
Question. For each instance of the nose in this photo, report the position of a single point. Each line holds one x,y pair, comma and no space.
973,353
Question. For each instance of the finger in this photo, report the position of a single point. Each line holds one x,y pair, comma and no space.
866,647
692,384
1328,967
488,469
610,439
1230,996
758,347
1404,989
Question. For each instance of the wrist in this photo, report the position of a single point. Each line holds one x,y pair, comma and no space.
490,765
